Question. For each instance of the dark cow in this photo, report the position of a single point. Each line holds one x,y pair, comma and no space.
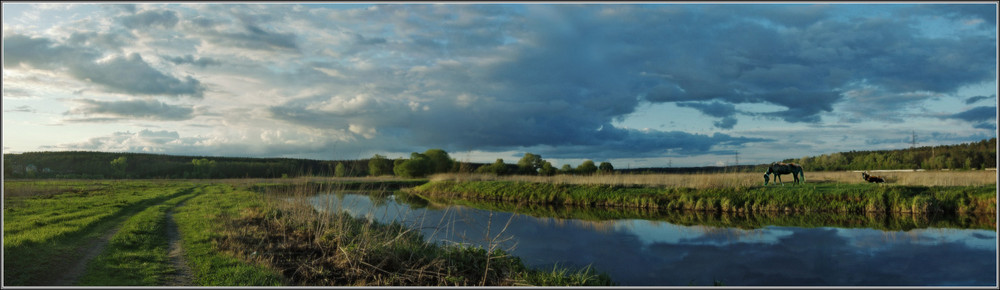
872,179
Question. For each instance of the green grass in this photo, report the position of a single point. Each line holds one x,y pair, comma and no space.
43,232
823,197
137,253
199,221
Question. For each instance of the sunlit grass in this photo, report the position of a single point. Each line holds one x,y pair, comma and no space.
741,179
45,229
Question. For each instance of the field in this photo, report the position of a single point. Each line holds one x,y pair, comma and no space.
231,233
905,192
743,179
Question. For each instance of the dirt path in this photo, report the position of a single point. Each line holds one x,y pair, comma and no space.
69,274
183,275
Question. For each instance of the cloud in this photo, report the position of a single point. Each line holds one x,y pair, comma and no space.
21,109
132,109
149,18
974,99
190,59
715,109
128,74
977,114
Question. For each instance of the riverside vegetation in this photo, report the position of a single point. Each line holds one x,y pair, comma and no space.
234,233
831,197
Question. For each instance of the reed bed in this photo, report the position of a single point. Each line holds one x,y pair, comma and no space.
739,179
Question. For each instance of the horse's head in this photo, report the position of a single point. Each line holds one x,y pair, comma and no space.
766,177
864,175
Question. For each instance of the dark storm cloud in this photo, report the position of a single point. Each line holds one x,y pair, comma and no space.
124,74
976,114
807,68
132,109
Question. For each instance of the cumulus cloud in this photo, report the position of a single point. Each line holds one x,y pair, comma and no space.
128,74
132,109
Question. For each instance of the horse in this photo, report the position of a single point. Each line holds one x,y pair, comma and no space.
784,168
872,179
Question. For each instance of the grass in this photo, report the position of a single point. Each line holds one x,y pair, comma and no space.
42,232
740,180
816,197
200,220
137,253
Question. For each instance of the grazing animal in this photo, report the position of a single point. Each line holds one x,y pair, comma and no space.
784,168
872,179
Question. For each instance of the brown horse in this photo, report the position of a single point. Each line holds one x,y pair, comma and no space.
784,168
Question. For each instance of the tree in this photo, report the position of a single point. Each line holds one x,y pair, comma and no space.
566,169
340,170
439,160
529,164
547,169
606,168
498,168
587,167
417,166
203,167
119,165
379,165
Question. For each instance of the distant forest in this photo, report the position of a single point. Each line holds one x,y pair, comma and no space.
97,165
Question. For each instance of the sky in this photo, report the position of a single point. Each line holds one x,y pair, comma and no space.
634,84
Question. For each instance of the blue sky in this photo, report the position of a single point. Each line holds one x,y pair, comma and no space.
639,85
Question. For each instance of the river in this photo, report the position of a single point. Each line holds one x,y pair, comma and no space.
652,252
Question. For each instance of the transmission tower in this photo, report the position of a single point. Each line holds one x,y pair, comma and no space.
913,140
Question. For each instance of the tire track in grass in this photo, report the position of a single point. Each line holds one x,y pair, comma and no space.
72,274
137,254
183,276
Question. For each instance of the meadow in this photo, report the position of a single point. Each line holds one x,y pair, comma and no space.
905,192
233,233
741,179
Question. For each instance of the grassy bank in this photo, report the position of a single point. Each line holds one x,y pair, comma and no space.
819,197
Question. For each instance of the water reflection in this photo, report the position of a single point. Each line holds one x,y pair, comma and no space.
655,252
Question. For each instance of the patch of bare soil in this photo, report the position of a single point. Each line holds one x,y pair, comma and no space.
183,276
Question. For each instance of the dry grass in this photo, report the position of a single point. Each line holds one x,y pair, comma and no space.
743,179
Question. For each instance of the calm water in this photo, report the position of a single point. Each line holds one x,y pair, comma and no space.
658,253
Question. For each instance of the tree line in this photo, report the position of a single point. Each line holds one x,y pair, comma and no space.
975,155
99,165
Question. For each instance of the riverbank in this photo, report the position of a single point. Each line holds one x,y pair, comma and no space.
817,197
